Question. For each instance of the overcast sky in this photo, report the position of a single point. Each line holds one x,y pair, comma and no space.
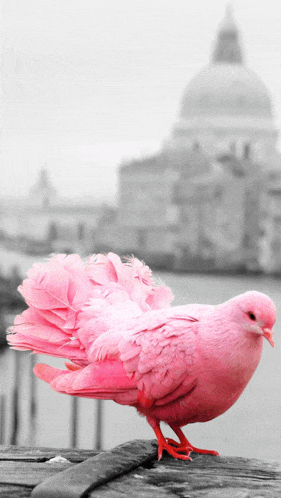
87,83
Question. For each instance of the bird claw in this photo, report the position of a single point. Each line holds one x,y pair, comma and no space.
188,446
180,452
205,452
179,445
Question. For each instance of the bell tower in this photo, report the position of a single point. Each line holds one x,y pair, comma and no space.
42,192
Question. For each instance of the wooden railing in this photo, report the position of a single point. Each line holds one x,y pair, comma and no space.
22,405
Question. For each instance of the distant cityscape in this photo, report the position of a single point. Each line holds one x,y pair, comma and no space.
209,200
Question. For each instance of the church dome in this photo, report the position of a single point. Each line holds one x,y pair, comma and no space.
226,88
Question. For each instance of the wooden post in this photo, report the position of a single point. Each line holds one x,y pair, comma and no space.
32,402
2,418
99,425
74,422
15,398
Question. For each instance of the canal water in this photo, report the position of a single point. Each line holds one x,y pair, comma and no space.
251,428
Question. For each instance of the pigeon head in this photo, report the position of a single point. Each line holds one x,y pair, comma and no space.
258,313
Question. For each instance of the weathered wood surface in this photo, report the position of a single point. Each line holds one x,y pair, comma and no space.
133,470
21,468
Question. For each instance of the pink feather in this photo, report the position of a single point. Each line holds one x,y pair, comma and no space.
180,365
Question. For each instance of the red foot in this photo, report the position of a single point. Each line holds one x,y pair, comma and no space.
184,443
205,452
179,452
183,447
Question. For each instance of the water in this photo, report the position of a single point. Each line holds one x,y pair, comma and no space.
251,428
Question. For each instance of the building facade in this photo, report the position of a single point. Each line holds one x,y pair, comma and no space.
44,222
200,202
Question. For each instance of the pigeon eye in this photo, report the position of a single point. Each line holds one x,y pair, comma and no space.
251,315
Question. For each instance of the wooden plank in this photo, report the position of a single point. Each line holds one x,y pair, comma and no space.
133,469
79,480
21,468
206,476
23,453
29,474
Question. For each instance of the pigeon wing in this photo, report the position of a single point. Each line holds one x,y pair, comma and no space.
161,359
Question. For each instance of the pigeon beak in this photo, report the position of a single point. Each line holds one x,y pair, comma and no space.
268,334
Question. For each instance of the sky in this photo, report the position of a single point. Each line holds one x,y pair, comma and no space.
87,84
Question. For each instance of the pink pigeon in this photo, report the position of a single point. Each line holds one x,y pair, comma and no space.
179,365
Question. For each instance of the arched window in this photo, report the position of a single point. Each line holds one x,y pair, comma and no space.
52,232
141,239
81,231
195,145
247,150
232,148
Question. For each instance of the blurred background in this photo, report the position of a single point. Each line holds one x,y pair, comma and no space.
149,128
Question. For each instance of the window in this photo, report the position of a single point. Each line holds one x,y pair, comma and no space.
81,231
247,151
232,148
52,231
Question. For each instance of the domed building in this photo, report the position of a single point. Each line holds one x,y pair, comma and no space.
226,106
43,222
198,204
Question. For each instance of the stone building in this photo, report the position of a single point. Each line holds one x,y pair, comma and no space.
43,221
219,216
270,243
197,203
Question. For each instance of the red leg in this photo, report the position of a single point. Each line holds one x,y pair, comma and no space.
184,443
163,444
